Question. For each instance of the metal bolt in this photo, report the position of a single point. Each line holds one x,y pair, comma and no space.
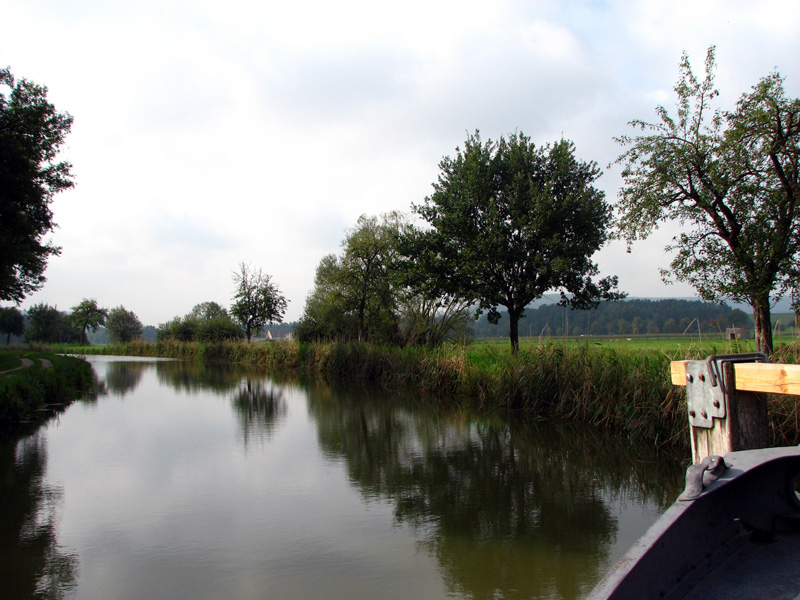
692,414
689,378
702,377
716,403
705,415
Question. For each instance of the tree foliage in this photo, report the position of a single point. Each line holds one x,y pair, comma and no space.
207,322
257,301
87,315
511,221
432,311
47,324
123,325
731,178
206,311
327,314
31,134
12,322
354,295
372,293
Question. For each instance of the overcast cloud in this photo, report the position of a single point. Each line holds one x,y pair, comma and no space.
209,133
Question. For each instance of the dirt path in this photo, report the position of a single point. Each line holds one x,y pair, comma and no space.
27,362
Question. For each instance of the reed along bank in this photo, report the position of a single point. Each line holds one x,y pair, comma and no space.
623,390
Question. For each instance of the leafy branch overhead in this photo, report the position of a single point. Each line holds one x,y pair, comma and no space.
31,135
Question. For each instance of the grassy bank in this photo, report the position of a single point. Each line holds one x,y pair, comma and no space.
27,391
622,388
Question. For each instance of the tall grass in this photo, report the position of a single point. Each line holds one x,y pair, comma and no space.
625,390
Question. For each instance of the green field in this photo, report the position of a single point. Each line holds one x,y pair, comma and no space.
672,345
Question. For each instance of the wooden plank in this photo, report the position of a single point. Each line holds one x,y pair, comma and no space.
771,378
677,369
768,377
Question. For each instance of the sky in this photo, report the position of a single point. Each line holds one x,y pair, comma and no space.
207,133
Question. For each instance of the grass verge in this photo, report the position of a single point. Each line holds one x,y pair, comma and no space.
28,391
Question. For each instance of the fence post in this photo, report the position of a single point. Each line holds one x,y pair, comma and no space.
722,419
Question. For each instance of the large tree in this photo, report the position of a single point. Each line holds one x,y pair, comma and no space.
355,293
87,315
257,301
327,314
123,325
358,294
512,221
31,134
731,179
369,249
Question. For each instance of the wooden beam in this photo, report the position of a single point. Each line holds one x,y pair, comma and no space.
743,424
771,378
677,370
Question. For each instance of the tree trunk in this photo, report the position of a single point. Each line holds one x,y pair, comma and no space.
763,326
513,329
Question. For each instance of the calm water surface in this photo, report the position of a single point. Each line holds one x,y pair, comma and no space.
205,482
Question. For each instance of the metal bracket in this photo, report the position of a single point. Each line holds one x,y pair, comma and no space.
700,476
706,395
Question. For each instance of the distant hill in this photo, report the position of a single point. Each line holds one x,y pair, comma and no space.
633,315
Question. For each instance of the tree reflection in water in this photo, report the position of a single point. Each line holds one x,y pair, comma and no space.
32,564
508,510
121,378
260,407
258,403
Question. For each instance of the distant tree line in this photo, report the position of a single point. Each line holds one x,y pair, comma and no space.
635,316
45,323
257,302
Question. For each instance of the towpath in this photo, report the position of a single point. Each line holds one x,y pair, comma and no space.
27,362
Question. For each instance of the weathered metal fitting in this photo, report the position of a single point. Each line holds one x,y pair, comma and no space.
705,387
702,475
705,401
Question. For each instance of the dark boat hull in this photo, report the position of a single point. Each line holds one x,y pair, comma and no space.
739,538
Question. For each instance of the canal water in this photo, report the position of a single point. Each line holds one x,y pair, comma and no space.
185,481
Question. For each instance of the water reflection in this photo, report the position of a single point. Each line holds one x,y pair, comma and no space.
258,403
357,494
260,407
32,564
508,510
190,376
121,378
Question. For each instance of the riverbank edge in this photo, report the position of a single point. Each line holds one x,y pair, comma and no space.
625,391
51,382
